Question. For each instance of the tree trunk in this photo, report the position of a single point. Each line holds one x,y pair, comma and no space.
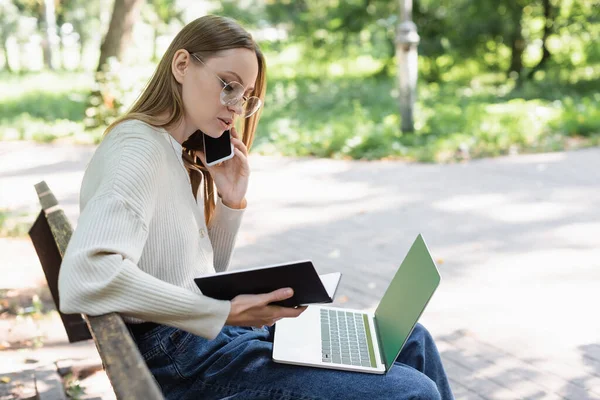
407,40
82,43
47,53
517,43
549,21
61,51
5,51
83,40
124,15
49,26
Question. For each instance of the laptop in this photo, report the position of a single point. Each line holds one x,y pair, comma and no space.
354,340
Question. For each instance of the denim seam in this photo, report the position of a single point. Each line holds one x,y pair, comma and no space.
172,360
147,355
179,346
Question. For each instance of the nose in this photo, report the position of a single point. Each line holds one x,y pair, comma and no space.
236,108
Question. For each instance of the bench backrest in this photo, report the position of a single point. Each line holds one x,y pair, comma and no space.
123,363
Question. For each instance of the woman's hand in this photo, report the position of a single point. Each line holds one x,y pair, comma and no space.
254,309
231,176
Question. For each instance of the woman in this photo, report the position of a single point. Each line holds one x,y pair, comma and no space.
146,230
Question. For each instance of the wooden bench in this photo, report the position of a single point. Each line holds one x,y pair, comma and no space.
122,361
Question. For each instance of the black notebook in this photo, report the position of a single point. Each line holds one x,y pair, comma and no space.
309,287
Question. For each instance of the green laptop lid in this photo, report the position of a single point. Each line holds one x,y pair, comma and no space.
405,299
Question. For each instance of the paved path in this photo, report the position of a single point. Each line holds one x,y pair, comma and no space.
517,240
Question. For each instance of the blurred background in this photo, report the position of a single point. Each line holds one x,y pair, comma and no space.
498,167
495,77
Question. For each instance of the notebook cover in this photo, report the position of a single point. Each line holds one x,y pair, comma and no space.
300,276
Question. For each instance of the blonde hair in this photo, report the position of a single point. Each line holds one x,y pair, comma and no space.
204,37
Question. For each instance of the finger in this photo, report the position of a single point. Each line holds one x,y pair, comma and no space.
233,132
289,312
242,162
243,158
277,295
238,144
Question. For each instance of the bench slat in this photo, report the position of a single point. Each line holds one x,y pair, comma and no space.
47,199
124,365
61,229
50,258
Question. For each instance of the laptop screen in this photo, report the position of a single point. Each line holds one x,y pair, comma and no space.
405,299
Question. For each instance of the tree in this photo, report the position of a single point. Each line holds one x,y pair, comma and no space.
549,13
124,15
515,38
44,13
488,35
9,21
49,29
84,16
406,52
159,14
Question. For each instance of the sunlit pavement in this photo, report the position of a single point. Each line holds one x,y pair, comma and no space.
517,240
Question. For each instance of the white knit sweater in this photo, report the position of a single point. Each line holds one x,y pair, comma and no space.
141,237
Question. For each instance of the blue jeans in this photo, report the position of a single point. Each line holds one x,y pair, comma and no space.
237,364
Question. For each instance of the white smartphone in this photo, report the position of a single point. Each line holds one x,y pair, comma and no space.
218,149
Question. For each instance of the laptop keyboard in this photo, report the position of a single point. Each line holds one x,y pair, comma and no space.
344,339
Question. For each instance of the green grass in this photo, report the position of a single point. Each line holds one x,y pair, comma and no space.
343,115
357,117
46,106
43,106
16,85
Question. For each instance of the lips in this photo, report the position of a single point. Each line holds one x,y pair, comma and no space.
226,122
223,124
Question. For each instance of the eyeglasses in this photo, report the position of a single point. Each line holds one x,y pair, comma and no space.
232,95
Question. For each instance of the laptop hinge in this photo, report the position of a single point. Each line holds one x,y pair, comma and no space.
379,342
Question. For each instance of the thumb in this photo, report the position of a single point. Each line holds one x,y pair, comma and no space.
278,295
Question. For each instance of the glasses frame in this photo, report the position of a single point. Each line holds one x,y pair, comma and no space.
242,100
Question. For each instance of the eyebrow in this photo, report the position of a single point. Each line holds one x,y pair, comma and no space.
239,78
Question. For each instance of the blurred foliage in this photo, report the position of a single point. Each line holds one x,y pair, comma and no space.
357,118
495,77
452,32
115,89
13,224
106,102
73,387
44,106
81,17
159,14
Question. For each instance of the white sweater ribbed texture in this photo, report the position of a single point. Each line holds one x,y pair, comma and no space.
141,237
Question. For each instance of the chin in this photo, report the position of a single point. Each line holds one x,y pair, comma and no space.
214,132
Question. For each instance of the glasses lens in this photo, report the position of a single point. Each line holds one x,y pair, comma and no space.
231,94
252,105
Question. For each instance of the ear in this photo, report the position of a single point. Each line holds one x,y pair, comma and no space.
180,64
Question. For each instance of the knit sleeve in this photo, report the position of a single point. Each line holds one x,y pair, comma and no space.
99,272
222,230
